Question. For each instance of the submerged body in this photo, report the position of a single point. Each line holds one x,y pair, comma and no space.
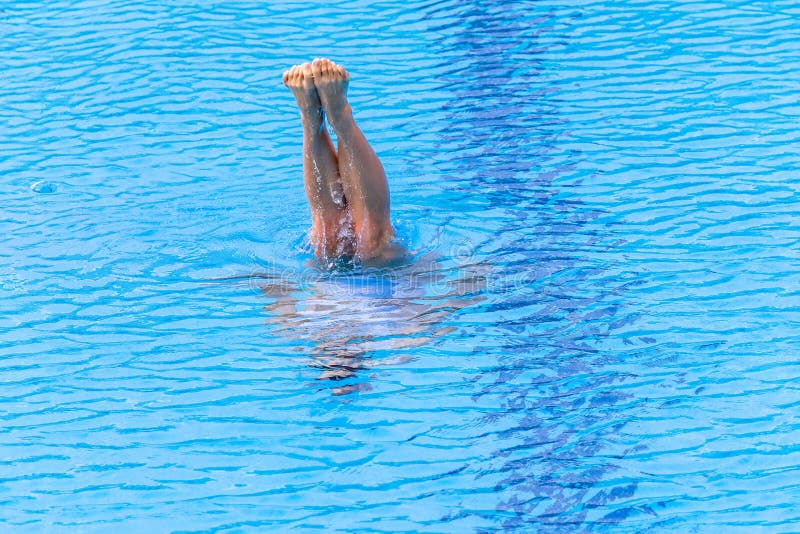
346,189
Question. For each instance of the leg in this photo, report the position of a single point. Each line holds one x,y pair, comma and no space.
363,178
330,216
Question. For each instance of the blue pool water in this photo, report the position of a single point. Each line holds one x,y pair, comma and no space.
598,329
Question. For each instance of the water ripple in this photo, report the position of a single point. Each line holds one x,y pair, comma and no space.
598,329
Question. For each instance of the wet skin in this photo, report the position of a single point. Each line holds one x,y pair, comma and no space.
346,189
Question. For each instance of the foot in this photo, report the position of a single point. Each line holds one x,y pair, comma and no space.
331,81
300,80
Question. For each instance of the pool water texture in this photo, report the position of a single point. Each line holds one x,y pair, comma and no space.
597,329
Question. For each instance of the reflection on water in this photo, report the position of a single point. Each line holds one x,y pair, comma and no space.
358,319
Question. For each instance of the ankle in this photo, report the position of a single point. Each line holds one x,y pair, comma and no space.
312,118
340,119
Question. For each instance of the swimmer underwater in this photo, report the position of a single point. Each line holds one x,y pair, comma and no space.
347,191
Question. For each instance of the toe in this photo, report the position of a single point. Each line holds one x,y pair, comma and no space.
307,71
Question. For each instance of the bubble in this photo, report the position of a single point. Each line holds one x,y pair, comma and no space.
462,251
44,187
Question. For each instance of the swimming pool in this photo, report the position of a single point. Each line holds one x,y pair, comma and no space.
598,329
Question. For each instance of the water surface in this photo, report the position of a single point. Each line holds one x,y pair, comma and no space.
597,329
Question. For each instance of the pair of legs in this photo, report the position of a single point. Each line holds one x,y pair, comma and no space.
347,190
